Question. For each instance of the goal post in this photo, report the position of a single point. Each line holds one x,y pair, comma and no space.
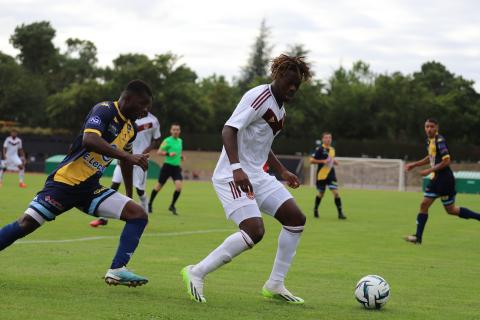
367,173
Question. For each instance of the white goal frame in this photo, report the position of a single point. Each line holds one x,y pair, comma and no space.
388,162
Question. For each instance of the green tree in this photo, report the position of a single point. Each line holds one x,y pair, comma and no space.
22,95
68,109
257,66
219,98
297,50
37,52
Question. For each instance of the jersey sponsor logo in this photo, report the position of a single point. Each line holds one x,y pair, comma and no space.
92,163
95,120
144,126
54,203
272,120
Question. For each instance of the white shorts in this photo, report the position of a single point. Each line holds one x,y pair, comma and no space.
139,177
269,195
12,163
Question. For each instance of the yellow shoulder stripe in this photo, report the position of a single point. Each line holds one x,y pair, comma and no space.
93,130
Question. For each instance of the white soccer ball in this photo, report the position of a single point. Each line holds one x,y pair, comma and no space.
372,292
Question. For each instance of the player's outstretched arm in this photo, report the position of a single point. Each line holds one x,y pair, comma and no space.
419,163
94,142
229,137
292,179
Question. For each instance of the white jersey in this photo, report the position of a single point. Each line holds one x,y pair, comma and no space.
12,147
148,129
258,119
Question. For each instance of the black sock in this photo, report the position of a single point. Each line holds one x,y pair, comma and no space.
152,196
421,221
467,214
176,194
317,202
338,203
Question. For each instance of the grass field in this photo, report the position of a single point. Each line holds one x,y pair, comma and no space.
62,280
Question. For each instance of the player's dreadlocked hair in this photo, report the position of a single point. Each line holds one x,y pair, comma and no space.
283,63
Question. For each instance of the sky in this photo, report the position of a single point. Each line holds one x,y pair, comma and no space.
216,36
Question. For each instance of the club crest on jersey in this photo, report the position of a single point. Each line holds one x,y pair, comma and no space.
113,129
95,120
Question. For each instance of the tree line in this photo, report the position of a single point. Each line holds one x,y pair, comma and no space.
46,87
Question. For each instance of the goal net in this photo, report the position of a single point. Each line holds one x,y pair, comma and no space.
367,173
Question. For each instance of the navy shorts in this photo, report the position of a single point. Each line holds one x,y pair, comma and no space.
330,182
169,171
443,187
56,198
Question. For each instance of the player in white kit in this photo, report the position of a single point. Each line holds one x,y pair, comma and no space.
14,158
148,138
245,189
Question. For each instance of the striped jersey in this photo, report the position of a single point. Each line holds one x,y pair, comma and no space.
324,153
82,168
258,119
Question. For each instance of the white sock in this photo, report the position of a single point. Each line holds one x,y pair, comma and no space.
1,174
21,175
144,202
229,249
287,246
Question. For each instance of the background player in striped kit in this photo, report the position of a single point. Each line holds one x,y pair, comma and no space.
324,157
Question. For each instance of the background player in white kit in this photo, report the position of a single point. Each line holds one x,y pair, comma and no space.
14,158
148,138
245,189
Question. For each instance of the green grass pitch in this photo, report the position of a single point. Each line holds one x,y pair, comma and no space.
63,280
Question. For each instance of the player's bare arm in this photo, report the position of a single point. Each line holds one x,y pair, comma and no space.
93,142
229,137
155,144
445,163
419,163
292,179
127,174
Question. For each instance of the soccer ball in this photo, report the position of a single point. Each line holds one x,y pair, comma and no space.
372,292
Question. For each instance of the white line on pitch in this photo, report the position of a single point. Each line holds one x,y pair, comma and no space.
162,234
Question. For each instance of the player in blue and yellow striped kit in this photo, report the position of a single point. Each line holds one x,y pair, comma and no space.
324,157
107,133
442,181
